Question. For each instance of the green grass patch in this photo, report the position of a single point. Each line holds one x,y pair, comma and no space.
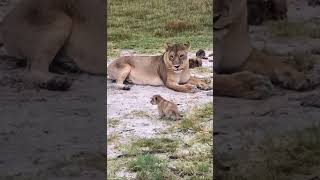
149,166
198,115
194,170
152,145
114,166
293,155
145,26
295,29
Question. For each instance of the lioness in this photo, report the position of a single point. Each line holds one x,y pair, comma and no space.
39,30
170,69
243,71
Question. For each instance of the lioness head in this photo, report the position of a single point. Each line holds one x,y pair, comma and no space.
176,56
228,12
155,99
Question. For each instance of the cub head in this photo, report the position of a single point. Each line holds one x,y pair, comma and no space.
155,99
176,56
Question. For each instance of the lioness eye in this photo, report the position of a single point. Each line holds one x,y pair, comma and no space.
181,55
171,57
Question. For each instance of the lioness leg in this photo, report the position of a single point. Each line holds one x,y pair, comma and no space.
242,85
279,73
43,36
120,72
50,40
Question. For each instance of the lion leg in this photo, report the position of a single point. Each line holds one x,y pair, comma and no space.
201,84
120,74
242,85
45,48
279,73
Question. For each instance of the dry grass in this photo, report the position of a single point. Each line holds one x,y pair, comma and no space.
173,155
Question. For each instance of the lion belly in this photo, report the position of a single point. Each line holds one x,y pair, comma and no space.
144,78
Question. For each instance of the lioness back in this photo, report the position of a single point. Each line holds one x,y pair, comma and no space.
143,69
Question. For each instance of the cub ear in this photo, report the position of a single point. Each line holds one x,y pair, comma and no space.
167,46
187,45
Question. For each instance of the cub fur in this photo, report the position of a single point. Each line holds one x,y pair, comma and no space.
166,108
170,69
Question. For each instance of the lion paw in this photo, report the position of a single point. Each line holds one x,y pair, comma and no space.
253,86
203,85
57,83
191,88
291,79
126,87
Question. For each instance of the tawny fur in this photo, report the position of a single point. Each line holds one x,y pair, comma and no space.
38,30
170,69
166,108
246,72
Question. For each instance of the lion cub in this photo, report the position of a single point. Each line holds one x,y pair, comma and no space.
166,108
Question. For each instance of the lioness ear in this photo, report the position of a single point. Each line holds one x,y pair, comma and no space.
187,45
167,46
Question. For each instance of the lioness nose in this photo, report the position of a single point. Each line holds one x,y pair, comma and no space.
176,66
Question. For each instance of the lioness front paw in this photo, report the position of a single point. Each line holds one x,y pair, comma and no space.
252,86
57,83
292,79
203,85
191,88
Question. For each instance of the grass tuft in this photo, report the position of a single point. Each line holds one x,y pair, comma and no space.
293,155
198,115
152,145
148,167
